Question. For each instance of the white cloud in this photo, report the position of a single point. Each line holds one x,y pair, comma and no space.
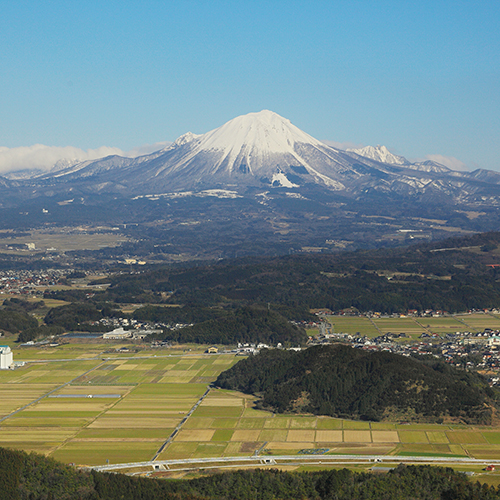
40,157
43,157
448,161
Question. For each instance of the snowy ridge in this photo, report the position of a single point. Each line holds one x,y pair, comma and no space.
266,132
249,140
256,152
380,153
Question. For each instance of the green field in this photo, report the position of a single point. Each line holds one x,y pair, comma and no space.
353,325
145,398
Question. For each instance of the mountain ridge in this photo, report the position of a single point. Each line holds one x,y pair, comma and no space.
263,151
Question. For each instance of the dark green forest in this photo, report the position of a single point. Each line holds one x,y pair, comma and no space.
246,324
34,477
345,382
453,275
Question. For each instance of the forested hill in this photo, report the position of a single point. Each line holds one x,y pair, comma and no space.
34,477
246,324
452,275
342,381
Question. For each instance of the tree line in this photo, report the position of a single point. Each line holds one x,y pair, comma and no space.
35,477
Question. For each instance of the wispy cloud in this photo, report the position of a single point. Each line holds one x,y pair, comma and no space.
42,157
448,161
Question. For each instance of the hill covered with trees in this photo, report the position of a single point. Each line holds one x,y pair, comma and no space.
452,275
345,382
35,477
246,324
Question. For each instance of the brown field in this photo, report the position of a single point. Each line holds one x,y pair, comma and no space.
329,436
222,402
157,392
300,435
273,435
245,435
198,435
357,436
137,422
290,446
385,437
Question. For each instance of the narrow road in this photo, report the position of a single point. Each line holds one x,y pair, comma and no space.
421,326
374,324
471,329
179,426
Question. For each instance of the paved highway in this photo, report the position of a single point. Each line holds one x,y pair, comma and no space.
251,461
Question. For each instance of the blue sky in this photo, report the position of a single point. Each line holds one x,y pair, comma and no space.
421,77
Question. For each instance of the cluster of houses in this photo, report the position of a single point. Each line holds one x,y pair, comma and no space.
138,325
411,313
29,282
466,350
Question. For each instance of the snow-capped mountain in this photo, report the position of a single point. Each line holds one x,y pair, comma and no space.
262,150
383,155
380,153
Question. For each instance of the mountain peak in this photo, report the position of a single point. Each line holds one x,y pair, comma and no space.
265,132
380,153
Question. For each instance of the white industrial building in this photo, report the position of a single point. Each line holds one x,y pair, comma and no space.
6,357
118,334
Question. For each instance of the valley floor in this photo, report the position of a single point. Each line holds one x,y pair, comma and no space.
99,407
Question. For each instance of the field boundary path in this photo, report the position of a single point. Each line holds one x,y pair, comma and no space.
374,324
50,392
421,326
180,424
455,317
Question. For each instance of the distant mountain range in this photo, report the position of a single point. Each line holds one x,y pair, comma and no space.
254,153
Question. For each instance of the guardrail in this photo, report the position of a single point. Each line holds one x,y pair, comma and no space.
201,463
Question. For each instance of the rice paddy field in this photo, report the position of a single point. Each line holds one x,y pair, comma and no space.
82,405
413,327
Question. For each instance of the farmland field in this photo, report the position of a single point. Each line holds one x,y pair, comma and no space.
138,399
353,325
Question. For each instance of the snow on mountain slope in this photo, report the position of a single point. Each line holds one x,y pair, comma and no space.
383,155
248,150
247,143
380,153
429,166
262,150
